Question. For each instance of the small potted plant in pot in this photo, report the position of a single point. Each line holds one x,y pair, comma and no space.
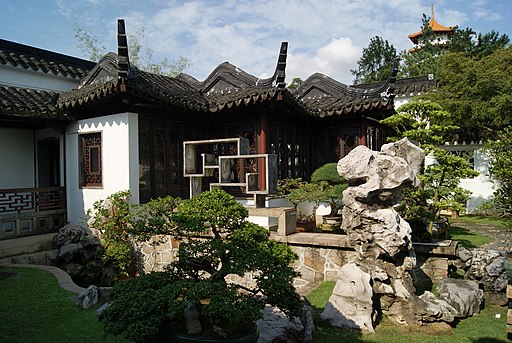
198,299
333,188
307,193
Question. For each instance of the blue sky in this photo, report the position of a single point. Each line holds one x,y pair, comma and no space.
324,35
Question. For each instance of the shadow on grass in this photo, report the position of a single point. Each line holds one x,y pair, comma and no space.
488,340
324,332
467,238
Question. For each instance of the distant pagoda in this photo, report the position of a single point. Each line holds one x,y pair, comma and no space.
442,34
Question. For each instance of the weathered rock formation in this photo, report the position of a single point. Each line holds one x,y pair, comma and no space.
487,268
80,256
275,326
379,279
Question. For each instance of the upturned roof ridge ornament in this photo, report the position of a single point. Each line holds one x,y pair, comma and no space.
123,62
280,72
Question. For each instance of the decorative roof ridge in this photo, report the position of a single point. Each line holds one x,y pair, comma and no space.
336,89
238,78
278,79
107,69
125,69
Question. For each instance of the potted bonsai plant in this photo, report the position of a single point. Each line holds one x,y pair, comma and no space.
198,296
427,125
332,192
306,192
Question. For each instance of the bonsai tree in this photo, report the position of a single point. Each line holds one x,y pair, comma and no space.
216,244
313,192
427,125
333,192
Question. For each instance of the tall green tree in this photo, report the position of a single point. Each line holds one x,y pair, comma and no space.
477,45
139,56
376,61
476,92
428,125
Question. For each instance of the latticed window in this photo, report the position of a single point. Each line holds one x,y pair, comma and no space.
91,171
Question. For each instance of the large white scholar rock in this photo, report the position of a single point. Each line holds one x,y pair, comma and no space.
376,232
379,176
350,304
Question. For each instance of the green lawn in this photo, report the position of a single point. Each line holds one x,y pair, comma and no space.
477,219
466,238
472,238
484,327
34,308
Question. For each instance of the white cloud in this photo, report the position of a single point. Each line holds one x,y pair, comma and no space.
325,36
334,59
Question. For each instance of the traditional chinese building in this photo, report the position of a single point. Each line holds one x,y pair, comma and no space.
109,126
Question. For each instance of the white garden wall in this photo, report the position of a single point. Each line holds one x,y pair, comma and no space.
120,160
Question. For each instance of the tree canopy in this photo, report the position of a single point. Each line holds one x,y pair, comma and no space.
376,61
427,124
476,92
139,56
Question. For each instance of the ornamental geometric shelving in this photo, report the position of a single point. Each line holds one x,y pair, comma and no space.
226,163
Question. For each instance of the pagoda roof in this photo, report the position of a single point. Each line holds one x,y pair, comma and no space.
434,25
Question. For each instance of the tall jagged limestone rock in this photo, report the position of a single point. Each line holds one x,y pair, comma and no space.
351,301
382,240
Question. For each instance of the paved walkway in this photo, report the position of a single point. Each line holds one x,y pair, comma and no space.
62,277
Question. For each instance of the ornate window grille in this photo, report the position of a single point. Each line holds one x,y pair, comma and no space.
91,160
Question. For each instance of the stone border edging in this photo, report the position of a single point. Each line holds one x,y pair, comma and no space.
62,277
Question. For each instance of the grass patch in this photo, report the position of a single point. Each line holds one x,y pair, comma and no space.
466,238
34,308
476,219
484,327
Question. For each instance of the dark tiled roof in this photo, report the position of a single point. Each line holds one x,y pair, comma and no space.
104,81
31,58
242,97
409,86
21,102
225,88
324,96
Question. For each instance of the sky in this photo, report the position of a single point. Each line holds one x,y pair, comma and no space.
324,36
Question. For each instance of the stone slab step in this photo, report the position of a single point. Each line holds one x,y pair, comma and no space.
43,258
25,245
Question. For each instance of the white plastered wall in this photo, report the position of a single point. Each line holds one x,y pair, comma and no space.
20,77
481,187
120,161
17,151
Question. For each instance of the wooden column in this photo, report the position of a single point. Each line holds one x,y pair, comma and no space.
362,132
262,148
